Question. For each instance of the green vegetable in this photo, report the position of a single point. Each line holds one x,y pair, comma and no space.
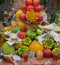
49,43
22,50
15,30
31,34
56,51
7,49
27,41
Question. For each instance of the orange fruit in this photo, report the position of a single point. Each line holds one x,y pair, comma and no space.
35,46
20,24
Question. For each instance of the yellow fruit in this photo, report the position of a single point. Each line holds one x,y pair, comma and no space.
35,46
18,45
20,24
18,13
31,16
8,28
39,55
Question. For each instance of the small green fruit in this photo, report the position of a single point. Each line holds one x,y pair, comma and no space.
39,32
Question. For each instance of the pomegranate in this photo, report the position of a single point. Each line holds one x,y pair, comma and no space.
36,2
29,2
24,7
47,52
21,35
38,8
30,7
40,18
22,17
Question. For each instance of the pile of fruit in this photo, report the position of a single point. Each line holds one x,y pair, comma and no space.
31,11
22,38
22,41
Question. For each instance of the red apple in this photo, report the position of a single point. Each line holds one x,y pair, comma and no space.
29,2
47,52
38,8
30,7
36,2
26,27
40,18
22,17
24,7
21,35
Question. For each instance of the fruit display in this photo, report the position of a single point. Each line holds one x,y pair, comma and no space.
21,38
30,12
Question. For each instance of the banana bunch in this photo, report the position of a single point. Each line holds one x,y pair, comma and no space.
49,43
31,16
